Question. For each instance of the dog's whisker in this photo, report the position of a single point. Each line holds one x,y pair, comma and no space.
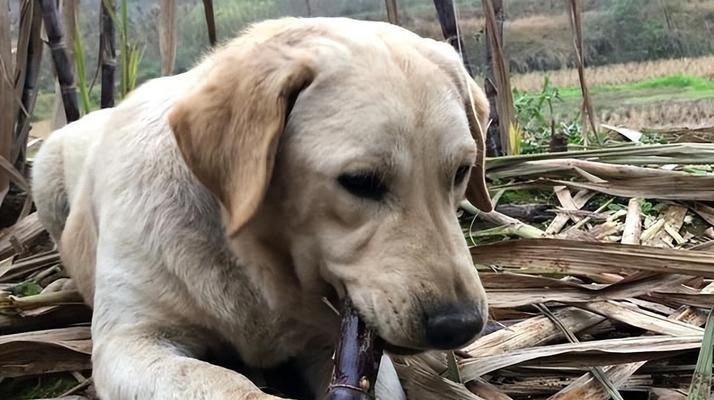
332,306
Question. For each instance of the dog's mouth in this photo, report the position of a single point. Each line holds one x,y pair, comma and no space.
396,349
335,297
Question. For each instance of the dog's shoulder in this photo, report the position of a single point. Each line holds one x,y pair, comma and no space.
140,183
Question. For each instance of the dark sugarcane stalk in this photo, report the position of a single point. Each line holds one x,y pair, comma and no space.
210,21
7,103
574,11
494,145
498,84
449,28
357,358
447,20
167,36
23,40
22,46
392,15
108,53
29,89
63,65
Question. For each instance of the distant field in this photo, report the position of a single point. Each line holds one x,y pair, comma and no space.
691,114
617,74
671,88
638,95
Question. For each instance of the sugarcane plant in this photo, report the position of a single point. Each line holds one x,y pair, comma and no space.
107,53
211,21
79,62
129,53
63,66
31,28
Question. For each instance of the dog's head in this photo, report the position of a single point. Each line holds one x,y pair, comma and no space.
355,141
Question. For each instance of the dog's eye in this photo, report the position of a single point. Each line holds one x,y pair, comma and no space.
461,174
363,184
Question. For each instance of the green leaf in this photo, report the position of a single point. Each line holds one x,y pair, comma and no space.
79,61
702,379
28,288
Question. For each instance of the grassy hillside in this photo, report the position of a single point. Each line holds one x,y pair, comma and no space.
537,32
537,37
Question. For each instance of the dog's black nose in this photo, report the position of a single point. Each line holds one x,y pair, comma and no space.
450,327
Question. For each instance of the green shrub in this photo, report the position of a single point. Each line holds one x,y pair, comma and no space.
538,122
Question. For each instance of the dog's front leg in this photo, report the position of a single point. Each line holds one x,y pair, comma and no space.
316,369
143,348
143,364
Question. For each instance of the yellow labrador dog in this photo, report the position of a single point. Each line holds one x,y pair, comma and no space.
306,159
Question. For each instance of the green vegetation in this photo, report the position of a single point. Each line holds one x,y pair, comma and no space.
693,85
526,197
129,54
79,63
538,122
36,387
668,89
702,378
27,288
681,81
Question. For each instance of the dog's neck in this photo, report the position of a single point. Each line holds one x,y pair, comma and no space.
286,280
304,322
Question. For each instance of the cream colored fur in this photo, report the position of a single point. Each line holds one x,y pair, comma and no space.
205,208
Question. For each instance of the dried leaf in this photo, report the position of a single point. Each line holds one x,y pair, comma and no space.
661,154
633,222
572,257
423,383
25,231
534,331
642,319
56,350
600,352
631,134
680,187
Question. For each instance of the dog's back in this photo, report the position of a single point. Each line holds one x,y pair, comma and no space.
58,166
72,170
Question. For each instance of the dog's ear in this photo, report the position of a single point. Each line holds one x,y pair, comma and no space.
477,110
228,128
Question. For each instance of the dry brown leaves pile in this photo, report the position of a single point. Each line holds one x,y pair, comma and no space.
603,298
